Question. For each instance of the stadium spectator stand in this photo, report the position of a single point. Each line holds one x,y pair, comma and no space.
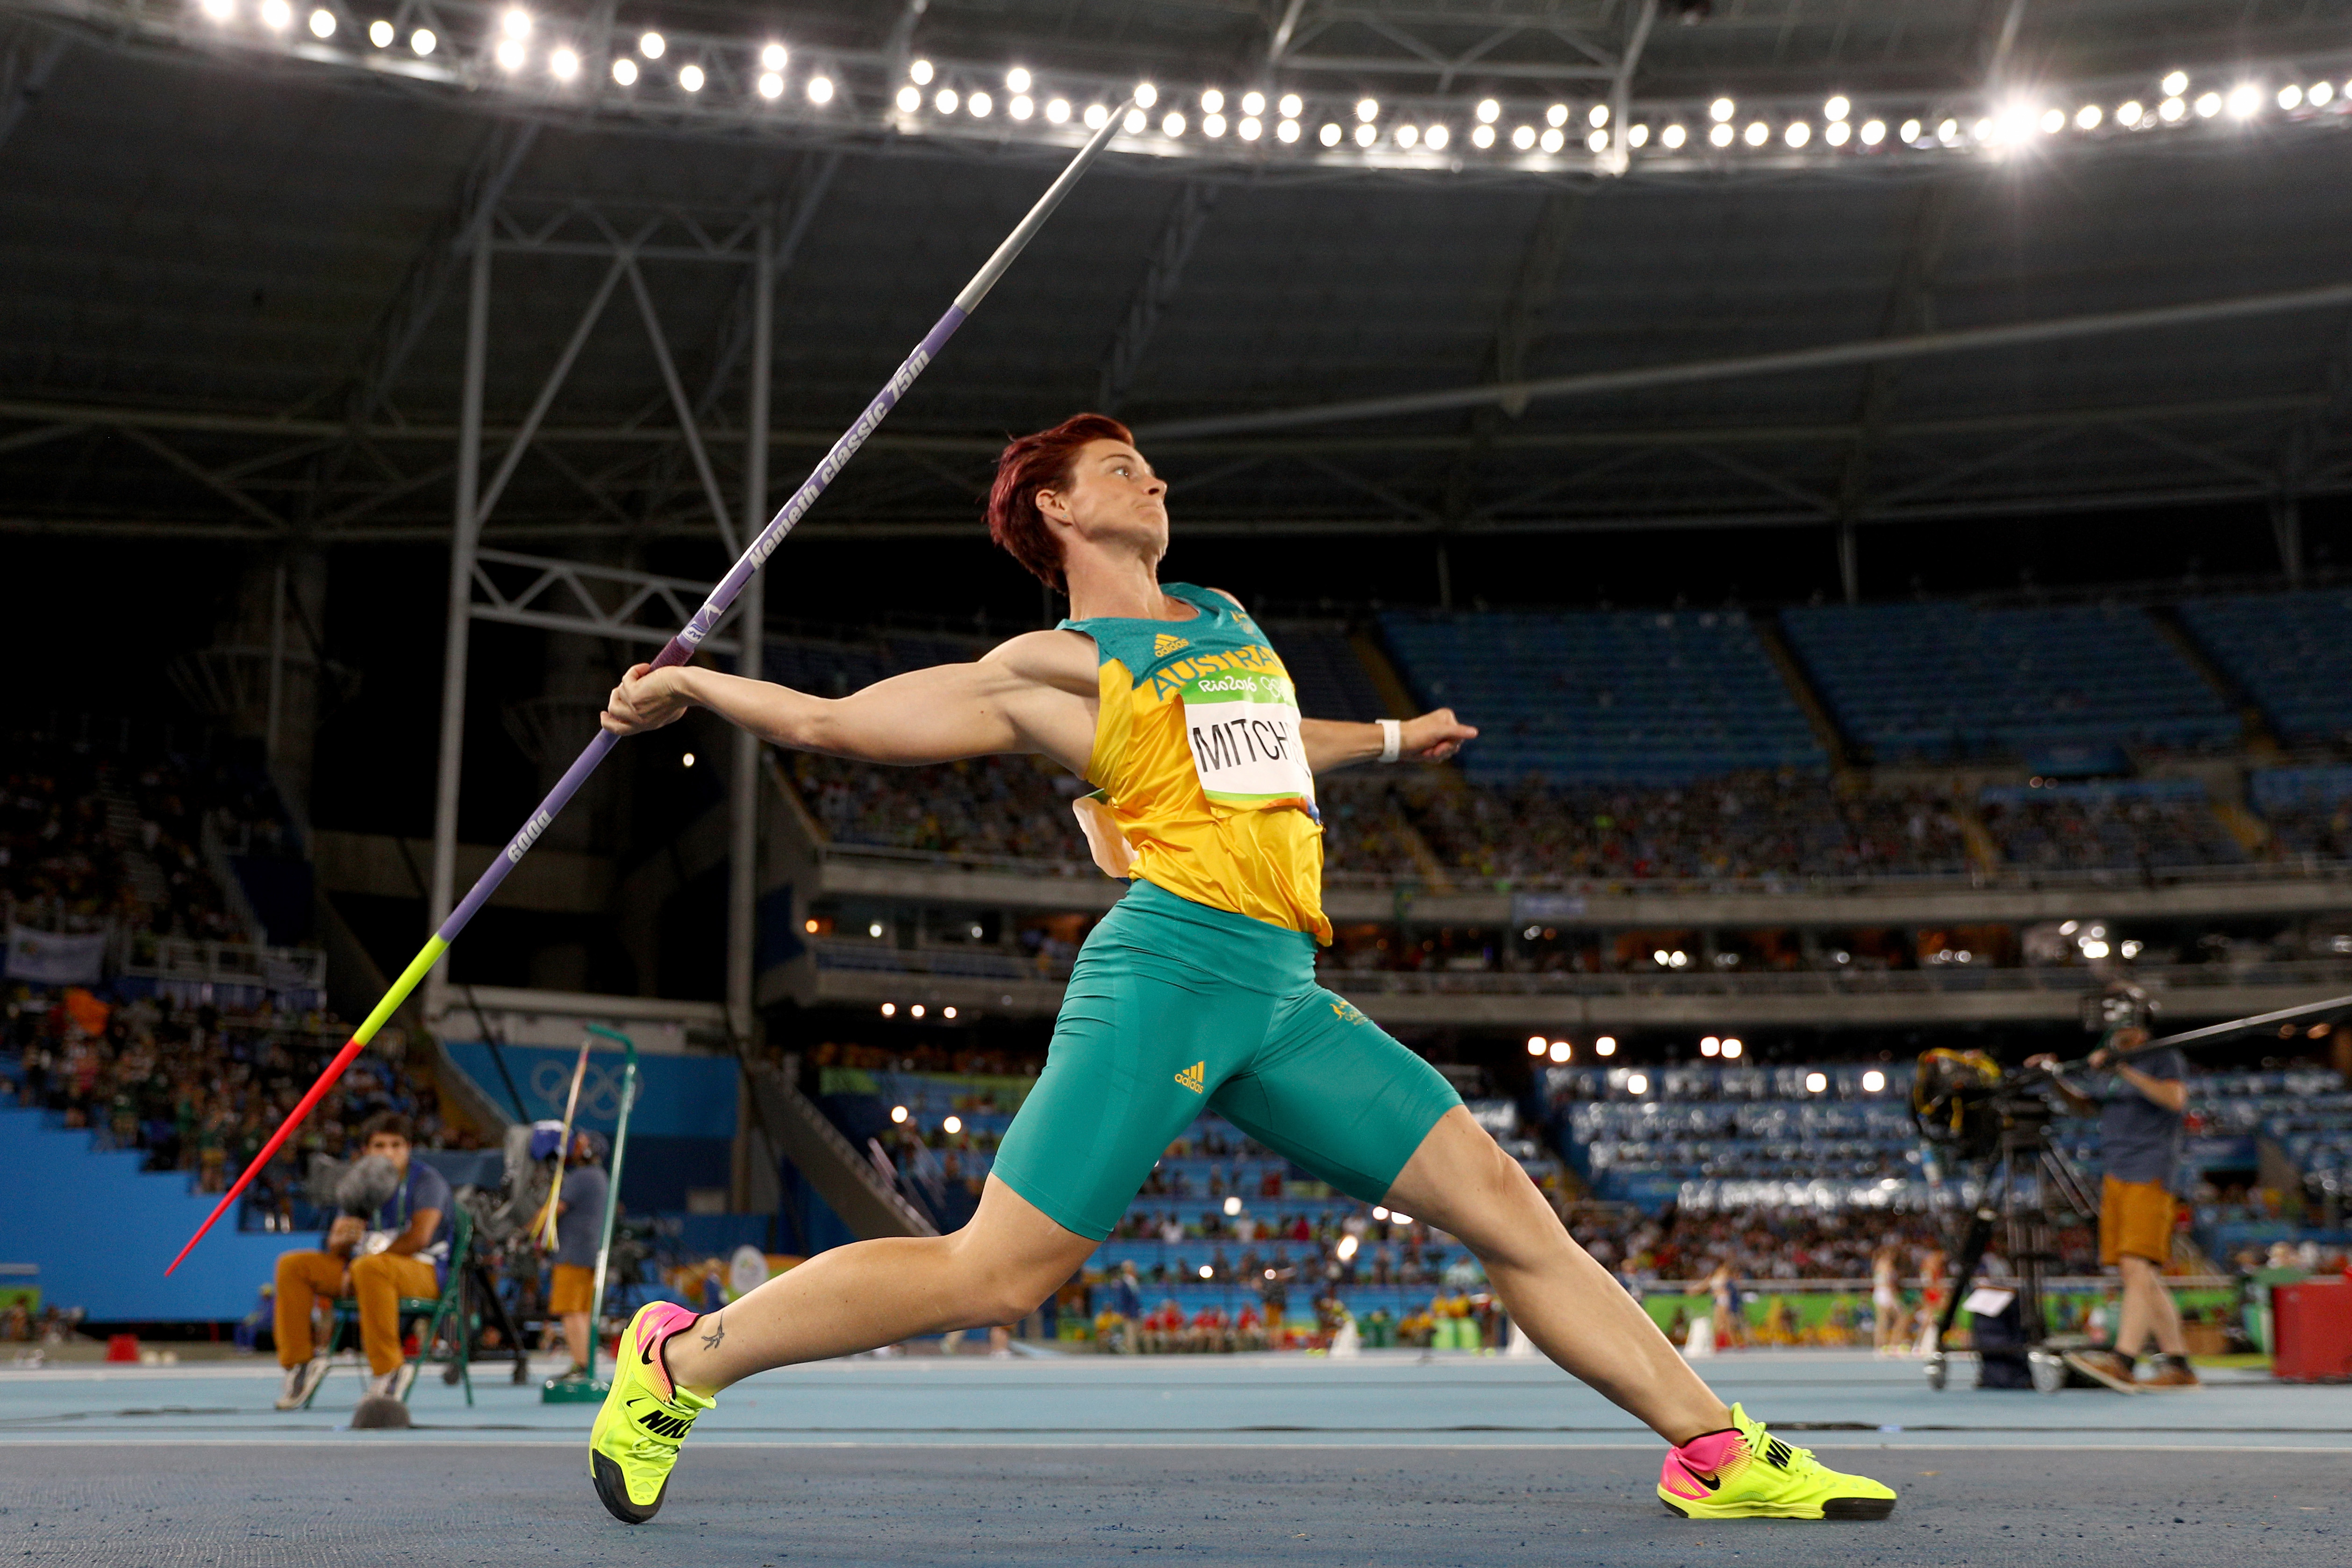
2309,810
2145,824
2292,651
1607,697
1332,683
1938,682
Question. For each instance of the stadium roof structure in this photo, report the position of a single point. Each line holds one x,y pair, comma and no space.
1779,261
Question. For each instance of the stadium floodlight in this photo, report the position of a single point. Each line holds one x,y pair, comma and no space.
950,1125
1366,134
1759,133
1552,140
652,46
381,34
423,41
1489,111
1598,116
1674,136
916,1011
1435,138
322,22
218,10
1598,141
980,105
2321,93
910,99
2290,96
1721,110
1798,134
946,1013
1017,79
1286,132
515,22
820,90
1948,131
771,85
948,101
1254,103
1816,1082
1022,107
1605,1046
1328,135
1058,112
275,16
2171,110
509,53
919,72
1837,134
2176,83
1555,115
774,57
1171,125
2054,121
1561,1051
1536,1045
1145,95
2088,117
2129,115
1637,136
1368,109
1987,129
1407,136
1731,1049
1722,135
689,77
2245,101
624,71
1250,129
897,1112
1637,1083
1708,1046
1873,132
1212,100
1134,122
564,64
1095,115
1873,1082
1910,132
1837,108
1291,106
1482,137
1524,137
2208,105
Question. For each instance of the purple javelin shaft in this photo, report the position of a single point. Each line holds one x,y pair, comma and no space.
681,647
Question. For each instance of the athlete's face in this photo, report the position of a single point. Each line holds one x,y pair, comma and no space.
1112,499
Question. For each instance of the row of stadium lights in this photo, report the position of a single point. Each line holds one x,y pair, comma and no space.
2016,124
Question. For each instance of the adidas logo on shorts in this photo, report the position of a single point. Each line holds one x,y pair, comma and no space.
1195,1077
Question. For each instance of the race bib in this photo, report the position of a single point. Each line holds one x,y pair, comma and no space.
1244,728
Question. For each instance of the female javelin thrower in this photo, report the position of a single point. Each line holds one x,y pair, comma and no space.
1197,991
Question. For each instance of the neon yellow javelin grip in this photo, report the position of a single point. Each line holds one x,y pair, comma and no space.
681,647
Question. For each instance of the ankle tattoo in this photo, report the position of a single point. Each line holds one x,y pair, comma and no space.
717,1333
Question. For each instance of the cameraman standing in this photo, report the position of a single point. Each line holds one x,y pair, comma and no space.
2140,1115
579,1231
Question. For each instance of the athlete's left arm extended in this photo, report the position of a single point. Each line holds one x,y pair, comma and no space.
1430,738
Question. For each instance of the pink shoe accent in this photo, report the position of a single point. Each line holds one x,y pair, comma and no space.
1702,1456
652,1330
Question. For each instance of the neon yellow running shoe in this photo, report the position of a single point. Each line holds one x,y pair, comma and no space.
645,1418
1744,1472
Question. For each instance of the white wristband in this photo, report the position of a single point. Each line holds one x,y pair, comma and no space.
1392,739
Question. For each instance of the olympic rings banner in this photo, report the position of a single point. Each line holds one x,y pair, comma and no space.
678,1097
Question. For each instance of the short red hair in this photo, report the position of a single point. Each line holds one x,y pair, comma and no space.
1042,461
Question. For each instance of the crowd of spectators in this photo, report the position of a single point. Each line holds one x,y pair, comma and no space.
2081,833
1000,807
90,836
199,1090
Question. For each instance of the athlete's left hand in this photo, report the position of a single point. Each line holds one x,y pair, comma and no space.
1435,736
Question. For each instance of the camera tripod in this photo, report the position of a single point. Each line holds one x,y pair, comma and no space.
2023,1174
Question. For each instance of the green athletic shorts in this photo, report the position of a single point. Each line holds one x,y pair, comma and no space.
1174,1008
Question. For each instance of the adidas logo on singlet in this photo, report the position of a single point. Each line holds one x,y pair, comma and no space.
1195,1077
1163,645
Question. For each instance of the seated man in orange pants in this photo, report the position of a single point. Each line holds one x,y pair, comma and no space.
397,1251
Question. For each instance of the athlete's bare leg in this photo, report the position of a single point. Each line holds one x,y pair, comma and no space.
1461,1181
996,1269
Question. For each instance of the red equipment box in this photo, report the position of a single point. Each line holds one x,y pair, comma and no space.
2311,1332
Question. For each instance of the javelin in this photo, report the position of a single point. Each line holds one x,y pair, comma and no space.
680,648
545,1227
